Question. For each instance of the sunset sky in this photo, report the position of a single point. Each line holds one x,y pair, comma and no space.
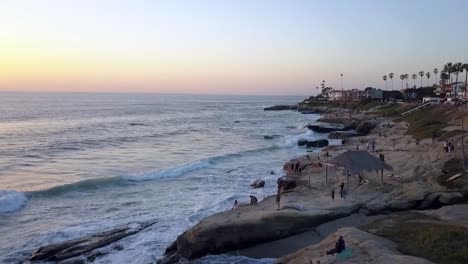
223,47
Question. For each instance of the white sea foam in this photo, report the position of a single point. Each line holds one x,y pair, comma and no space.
171,172
291,141
11,201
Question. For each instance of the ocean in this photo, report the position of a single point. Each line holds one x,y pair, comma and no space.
76,164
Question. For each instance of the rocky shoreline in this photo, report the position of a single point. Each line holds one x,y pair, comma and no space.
411,186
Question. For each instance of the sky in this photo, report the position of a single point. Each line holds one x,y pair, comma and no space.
224,47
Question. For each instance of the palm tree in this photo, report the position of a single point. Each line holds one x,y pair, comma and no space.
465,68
428,75
406,78
436,71
402,77
385,79
444,77
456,69
414,76
421,73
448,69
391,78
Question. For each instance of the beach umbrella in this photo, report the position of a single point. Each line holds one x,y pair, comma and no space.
359,161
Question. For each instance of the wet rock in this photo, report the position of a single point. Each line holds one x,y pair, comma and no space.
286,183
313,144
326,128
271,136
85,245
343,134
280,107
257,184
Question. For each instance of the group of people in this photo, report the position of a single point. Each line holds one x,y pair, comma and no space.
449,146
296,168
253,200
342,191
371,145
381,157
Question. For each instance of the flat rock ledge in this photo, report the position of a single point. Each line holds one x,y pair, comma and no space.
251,225
226,231
365,248
83,247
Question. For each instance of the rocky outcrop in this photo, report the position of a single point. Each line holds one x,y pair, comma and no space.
280,107
84,246
313,144
344,121
257,184
286,183
343,134
271,136
325,128
363,247
252,227
366,127
305,109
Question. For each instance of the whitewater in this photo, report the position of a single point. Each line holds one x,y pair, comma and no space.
77,164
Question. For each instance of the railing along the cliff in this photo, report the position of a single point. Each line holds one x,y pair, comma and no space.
417,108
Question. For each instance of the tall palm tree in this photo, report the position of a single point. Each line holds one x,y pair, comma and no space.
421,73
444,77
465,68
414,76
456,69
448,69
428,75
391,78
402,77
406,75
385,79
436,71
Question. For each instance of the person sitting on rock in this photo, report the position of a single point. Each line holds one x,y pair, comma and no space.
278,200
253,200
236,205
339,247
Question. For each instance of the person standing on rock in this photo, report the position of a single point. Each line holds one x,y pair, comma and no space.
333,194
341,189
236,205
278,200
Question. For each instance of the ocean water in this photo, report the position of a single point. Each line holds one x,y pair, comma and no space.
75,164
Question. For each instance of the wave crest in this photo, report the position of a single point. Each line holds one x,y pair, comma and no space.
11,201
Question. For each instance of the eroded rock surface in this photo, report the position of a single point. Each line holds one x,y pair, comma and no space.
364,247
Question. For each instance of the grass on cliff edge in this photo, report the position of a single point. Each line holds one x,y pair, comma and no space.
429,120
420,235
453,166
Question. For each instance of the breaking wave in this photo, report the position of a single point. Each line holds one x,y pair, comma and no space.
11,201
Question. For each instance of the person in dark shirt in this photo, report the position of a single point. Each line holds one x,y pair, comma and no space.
339,247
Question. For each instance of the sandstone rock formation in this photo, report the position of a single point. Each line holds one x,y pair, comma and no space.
257,184
364,248
313,144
